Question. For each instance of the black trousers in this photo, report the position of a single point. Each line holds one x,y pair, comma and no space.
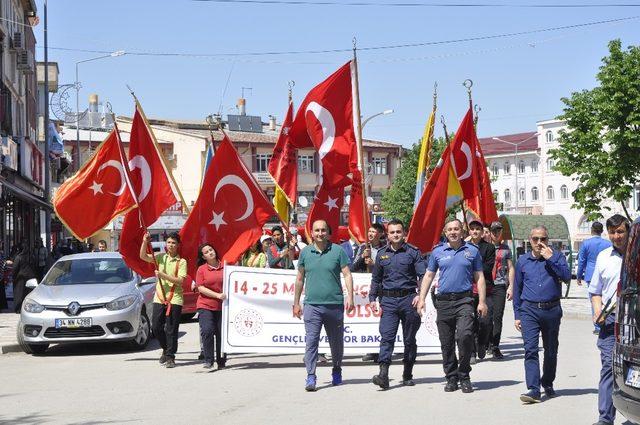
211,335
482,326
455,324
165,328
499,298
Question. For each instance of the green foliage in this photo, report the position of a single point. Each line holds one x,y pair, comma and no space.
601,148
397,202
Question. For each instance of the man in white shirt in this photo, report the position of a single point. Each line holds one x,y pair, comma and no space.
603,287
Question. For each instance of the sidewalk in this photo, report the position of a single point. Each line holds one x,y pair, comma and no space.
8,325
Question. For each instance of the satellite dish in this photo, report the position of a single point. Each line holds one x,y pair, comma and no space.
370,200
347,199
302,200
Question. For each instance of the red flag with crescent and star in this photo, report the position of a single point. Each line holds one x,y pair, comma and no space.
154,191
229,212
327,206
97,193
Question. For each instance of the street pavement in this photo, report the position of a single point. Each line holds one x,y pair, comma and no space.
99,384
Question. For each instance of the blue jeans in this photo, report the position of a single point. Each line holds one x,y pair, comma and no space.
331,316
606,341
536,321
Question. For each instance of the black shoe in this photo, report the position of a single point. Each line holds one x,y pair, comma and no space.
222,364
408,382
207,365
466,386
549,392
497,354
382,378
163,359
201,355
170,364
530,397
451,386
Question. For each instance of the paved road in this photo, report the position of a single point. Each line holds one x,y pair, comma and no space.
101,384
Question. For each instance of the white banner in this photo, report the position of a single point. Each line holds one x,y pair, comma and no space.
257,316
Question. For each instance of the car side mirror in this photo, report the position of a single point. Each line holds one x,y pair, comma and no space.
31,283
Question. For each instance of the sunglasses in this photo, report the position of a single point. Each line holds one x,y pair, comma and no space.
537,239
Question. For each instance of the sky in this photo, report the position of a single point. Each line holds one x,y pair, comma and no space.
517,80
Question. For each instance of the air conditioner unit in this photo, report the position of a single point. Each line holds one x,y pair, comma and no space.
25,61
17,42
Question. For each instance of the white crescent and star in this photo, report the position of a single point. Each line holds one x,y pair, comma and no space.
328,124
232,180
141,163
466,150
331,203
118,166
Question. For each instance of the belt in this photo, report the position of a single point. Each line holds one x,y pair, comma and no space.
452,296
397,293
544,305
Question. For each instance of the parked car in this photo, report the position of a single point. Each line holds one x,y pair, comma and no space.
626,356
89,297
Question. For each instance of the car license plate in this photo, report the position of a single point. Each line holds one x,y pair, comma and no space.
633,377
84,322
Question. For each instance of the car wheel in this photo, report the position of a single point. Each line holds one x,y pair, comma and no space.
29,348
144,333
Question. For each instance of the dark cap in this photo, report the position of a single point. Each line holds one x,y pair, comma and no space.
476,221
496,225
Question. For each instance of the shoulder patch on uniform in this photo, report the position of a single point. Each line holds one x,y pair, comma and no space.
412,246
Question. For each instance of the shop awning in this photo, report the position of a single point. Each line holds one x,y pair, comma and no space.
517,226
23,194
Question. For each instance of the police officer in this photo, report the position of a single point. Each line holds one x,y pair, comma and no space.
460,264
536,305
394,283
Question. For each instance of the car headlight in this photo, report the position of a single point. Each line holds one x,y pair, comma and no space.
31,306
121,303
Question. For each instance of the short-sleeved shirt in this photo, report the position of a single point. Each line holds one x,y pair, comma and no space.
606,274
173,266
456,266
210,278
322,273
501,267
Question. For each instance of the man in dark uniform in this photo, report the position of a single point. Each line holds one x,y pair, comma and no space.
394,282
459,264
483,325
536,305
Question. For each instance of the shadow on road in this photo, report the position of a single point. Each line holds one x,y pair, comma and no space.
490,385
576,391
33,418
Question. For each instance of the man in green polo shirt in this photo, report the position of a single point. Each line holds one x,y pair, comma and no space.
319,268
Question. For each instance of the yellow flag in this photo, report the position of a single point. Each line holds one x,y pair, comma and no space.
281,204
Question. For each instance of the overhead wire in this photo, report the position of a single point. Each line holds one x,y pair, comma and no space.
424,4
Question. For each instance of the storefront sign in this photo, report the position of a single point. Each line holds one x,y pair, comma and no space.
10,153
31,162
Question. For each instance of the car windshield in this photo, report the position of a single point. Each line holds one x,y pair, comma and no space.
88,271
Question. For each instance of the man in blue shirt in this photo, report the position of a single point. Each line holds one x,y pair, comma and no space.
587,255
459,264
603,287
536,305
394,282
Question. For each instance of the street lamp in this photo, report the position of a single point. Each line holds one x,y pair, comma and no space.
110,55
385,112
515,145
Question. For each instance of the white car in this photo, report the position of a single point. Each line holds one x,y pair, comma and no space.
90,297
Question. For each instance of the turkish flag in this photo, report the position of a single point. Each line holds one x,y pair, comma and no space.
229,212
97,193
283,166
325,121
154,190
327,206
358,209
463,157
483,206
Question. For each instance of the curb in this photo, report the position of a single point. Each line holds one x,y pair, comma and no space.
10,348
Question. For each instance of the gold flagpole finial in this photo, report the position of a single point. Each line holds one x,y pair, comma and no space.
291,84
468,83
435,94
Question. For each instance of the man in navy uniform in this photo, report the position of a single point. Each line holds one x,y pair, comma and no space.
602,289
394,287
536,305
460,264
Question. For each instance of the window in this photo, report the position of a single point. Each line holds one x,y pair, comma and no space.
549,136
379,165
495,196
564,192
534,166
494,170
306,164
534,193
521,195
507,196
550,193
550,164
262,162
507,168
521,167
585,225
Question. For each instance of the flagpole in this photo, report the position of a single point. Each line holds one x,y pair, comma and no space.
446,137
358,128
292,203
155,143
431,135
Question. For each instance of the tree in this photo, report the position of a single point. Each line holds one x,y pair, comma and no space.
601,148
397,202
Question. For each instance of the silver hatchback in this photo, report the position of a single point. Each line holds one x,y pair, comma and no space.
91,297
